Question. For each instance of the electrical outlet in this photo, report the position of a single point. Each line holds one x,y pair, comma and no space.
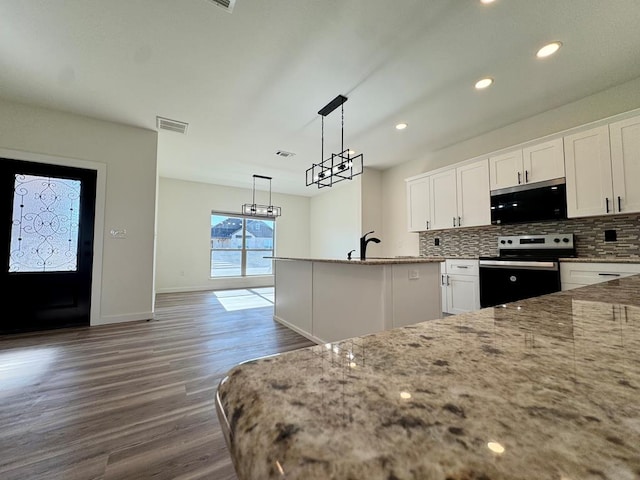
414,274
610,236
436,242
118,233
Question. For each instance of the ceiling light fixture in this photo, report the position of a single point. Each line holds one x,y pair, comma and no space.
261,210
549,49
487,2
401,126
484,83
339,166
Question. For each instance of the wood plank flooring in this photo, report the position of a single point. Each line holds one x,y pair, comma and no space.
129,401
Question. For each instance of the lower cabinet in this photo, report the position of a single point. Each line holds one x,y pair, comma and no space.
460,284
575,274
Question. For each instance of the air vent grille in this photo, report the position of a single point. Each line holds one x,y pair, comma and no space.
171,125
227,5
285,154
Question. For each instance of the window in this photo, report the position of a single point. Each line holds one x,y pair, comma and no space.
239,245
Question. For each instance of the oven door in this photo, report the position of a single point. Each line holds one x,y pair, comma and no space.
508,281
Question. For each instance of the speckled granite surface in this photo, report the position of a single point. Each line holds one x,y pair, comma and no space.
546,388
371,261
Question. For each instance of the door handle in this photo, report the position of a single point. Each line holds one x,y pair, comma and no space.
619,203
526,176
519,182
606,199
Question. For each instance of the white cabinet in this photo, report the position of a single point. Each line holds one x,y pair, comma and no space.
588,167
418,214
603,170
459,197
443,203
460,282
537,163
625,165
474,201
575,274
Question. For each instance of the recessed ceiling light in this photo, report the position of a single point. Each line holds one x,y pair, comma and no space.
401,126
486,2
549,49
484,83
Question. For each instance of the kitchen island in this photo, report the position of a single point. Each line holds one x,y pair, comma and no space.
328,300
545,388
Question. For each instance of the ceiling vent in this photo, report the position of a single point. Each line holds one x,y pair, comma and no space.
282,153
227,5
171,125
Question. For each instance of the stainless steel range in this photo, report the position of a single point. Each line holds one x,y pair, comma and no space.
527,266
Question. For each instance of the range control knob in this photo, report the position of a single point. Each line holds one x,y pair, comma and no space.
509,242
502,242
565,240
557,240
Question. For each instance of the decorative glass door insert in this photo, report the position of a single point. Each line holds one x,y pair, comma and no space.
44,228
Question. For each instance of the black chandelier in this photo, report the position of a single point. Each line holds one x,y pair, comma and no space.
261,210
339,166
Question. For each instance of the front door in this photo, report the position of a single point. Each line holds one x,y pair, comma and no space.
46,241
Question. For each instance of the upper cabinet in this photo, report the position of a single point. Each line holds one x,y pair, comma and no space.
474,202
458,197
625,164
603,169
537,163
418,204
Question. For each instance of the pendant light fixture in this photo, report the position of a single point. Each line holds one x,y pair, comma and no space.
261,210
339,166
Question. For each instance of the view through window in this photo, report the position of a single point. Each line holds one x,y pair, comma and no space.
239,245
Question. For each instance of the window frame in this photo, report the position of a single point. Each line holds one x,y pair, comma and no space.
243,250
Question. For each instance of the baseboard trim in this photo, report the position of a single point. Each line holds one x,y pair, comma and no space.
129,317
304,333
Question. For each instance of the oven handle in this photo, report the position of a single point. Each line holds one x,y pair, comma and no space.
520,265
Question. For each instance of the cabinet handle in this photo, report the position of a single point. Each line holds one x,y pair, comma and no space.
609,274
519,182
442,280
462,266
607,203
459,221
427,224
448,280
619,203
454,221
526,176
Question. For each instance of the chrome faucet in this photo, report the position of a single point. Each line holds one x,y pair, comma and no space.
363,244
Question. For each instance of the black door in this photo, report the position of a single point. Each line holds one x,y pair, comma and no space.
504,285
46,240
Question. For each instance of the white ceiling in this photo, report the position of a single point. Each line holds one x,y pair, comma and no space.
251,82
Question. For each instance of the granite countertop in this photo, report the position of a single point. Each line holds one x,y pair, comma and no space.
369,261
601,259
545,388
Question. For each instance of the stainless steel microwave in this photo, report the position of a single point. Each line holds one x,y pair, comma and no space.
529,203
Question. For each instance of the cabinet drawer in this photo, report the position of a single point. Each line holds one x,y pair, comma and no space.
462,267
575,274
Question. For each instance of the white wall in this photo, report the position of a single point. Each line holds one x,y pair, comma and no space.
336,220
398,241
371,195
184,232
125,158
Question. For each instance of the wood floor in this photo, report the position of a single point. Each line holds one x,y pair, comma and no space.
129,401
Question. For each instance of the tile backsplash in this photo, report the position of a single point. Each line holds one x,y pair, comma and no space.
589,237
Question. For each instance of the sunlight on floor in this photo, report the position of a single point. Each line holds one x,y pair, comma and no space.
22,367
244,299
